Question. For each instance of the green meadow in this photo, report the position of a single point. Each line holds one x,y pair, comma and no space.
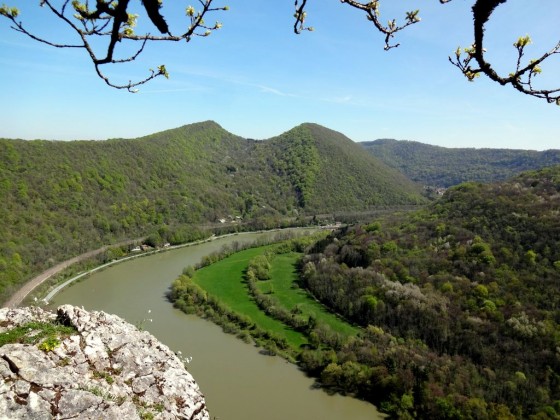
225,280
283,286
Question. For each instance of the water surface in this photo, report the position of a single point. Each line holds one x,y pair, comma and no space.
238,382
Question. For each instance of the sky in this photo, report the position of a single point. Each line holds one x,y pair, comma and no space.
257,79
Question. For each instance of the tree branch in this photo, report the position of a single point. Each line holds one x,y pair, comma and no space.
111,19
522,78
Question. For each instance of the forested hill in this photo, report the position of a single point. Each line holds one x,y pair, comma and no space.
460,303
63,198
330,171
443,167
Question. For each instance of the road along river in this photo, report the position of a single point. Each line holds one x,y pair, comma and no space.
238,382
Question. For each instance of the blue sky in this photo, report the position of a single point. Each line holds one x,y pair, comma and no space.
257,79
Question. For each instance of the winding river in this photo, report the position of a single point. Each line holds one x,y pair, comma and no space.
238,382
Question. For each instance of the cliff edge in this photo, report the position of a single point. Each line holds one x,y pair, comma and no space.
80,364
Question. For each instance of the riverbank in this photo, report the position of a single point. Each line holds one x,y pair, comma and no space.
255,294
17,298
238,382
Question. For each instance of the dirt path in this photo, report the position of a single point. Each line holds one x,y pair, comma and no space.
18,297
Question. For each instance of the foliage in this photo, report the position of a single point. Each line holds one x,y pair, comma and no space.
291,324
46,335
444,167
60,199
225,282
459,302
298,158
342,175
49,344
281,298
227,304
217,291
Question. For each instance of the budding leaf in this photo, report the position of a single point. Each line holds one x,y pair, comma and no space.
522,42
163,70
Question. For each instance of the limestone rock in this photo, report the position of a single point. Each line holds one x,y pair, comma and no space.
105,368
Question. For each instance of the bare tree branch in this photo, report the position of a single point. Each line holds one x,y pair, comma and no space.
522,77
371,9
113,21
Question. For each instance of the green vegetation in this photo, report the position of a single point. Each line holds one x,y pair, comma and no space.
293,305
298,158
46,335
103,375
288,322
447,312
60,199
225,280
443,167
349,179
459,303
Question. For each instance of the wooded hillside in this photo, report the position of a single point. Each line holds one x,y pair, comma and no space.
443,167
459,303
60,199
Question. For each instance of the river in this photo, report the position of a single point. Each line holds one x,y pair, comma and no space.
238,382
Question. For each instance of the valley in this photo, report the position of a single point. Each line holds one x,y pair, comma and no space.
427,308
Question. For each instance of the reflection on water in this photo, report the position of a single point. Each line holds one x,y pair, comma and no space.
238,382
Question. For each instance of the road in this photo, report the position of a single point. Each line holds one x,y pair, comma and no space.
18,297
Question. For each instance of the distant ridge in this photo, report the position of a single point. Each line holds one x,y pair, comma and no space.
61,198
444,167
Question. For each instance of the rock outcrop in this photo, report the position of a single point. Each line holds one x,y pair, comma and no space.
101,367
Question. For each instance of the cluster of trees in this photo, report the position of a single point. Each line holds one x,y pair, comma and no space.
443,167
191,298
234,247
459,303
298,159
347,177
258,269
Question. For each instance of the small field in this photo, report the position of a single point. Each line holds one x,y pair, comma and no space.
283,287
225,281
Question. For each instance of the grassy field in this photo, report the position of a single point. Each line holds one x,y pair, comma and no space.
283,287
225,281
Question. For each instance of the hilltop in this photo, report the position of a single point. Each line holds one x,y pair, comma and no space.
60,199
331,172
443,167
